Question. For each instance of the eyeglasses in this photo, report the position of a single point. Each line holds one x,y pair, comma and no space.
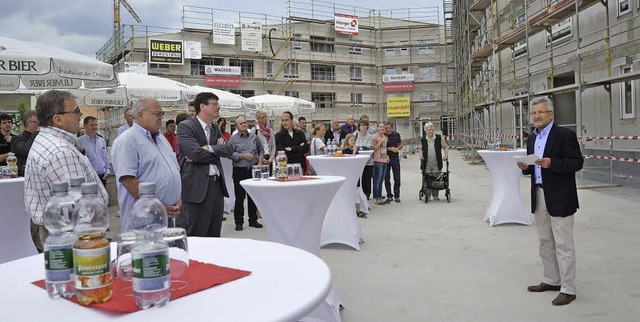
156,114
214,103
539,113
75,111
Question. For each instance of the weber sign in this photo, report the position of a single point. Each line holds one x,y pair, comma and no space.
166,52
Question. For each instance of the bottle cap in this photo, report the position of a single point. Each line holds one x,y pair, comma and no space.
148,188
60,186
76,181
89,188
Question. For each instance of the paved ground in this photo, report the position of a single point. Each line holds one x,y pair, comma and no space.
441,262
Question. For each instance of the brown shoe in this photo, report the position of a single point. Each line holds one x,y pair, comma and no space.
542,287
563,299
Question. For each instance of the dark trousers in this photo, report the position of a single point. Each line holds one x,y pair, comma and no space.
205,219
393,166
240,174
367,174
104,181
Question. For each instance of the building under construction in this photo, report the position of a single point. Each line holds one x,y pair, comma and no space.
392,53
583,54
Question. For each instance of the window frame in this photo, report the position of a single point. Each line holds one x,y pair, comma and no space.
626,69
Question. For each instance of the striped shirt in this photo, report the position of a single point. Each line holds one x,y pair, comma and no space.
53,157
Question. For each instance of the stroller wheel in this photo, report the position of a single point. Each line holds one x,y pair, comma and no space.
448,196
420,194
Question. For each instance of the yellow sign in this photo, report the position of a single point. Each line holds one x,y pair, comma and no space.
399,106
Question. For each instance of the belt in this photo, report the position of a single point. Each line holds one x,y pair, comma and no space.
539,185
214,177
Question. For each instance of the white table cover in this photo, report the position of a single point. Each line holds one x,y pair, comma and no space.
506,205
293,213
15,234
341,224
229,203
285,284
364,202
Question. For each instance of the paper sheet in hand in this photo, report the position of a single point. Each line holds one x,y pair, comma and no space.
528,159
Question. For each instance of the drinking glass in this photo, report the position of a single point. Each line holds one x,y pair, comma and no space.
265,171
123,268
297,170
290,171
256,172
176,239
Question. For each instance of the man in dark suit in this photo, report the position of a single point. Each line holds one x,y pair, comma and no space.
554,199
201,145
21,144
336,133
292,141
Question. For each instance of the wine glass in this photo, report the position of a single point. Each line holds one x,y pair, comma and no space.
176,239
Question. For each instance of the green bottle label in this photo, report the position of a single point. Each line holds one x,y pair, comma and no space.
150,264
58,258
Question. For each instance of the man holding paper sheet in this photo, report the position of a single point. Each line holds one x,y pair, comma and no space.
554,199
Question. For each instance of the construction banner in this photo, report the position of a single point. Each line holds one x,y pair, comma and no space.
399,106
166,52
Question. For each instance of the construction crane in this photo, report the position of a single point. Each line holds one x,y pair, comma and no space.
116,14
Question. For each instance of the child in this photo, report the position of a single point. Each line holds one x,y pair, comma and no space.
349,145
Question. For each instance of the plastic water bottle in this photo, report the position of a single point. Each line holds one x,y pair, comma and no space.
75,191
498,144
12,163
92,252
150,254
58,246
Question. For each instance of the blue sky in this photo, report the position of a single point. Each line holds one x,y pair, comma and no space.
83,26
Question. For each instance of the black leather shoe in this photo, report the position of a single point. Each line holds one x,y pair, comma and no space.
542,287
255,225
239,227
563,299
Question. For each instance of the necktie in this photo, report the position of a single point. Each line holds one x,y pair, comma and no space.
207,133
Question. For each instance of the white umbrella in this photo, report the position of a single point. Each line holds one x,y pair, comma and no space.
43,67
135,86
277,104
228,100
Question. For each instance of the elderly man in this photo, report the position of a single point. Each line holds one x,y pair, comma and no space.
350,125
336,133
21,144
6,125
141,154
54,157
128,117
201,145
248,152
554,199
95,148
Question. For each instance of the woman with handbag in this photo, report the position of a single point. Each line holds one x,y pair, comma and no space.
431,159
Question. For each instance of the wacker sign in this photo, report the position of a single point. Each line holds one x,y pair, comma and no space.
166,52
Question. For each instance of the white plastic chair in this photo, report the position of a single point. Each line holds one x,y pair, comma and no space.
15,234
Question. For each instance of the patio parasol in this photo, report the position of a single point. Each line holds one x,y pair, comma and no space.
276,104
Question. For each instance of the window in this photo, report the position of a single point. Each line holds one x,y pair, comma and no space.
355,47
292,94
322,72
389,51
244,92
356,100
627,95
246,66
323,100
355,73
560,32
425,47
269,68
405,70
291,70
297,44
518,20
197,65
159,68
322,44
624,7
404,50
427,73
519,50
429,99
390,71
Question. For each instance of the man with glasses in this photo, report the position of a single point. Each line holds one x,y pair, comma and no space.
201,145
141,154
53,156
6,125
554,199
21,144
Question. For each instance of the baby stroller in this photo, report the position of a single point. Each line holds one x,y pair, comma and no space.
438,182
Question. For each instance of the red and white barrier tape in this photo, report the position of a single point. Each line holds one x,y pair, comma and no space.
593,138
611,158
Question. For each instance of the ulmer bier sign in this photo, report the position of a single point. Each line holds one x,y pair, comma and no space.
166,52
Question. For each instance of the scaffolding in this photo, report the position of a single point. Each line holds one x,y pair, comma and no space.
576,52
